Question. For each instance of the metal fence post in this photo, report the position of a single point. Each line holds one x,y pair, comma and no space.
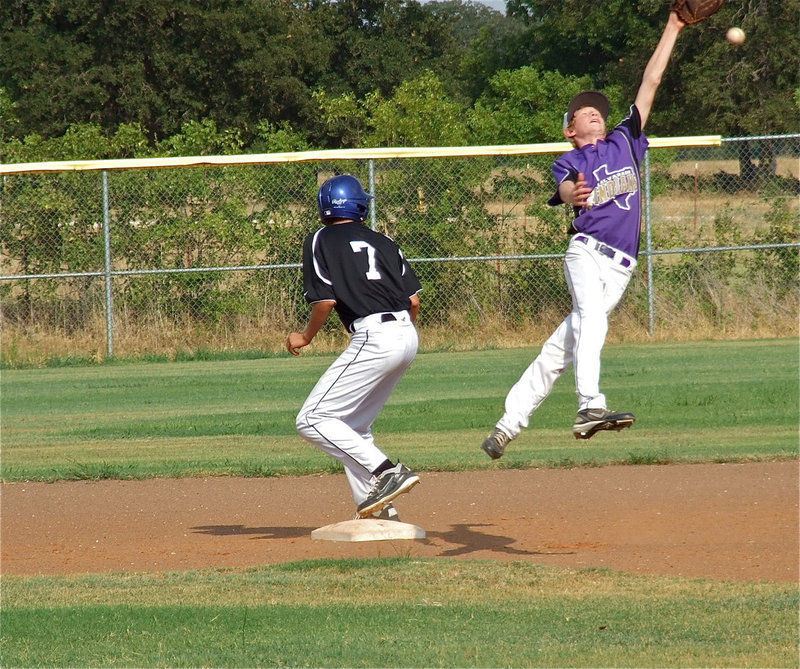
372,213
648,229
107,241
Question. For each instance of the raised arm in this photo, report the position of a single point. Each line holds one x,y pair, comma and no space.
651,79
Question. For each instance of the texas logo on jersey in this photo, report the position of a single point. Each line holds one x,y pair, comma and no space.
613,185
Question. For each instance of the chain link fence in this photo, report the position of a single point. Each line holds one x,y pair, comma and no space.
163,262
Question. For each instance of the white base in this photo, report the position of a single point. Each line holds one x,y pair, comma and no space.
368,529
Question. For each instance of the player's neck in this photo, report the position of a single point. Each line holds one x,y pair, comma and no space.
580,142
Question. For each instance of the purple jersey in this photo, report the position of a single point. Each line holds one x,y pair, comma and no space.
362,270
611,170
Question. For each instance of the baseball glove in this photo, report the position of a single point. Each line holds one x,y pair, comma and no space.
694,11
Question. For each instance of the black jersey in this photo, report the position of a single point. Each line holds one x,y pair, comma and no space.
362,270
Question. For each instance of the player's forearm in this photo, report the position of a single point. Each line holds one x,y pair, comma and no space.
414,309
319,314
656,66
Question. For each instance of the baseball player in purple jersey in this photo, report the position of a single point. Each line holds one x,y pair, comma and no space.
599,178
363,275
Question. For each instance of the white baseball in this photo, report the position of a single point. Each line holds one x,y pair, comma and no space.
735,36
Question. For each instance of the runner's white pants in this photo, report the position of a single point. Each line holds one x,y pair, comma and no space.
596,283
338,415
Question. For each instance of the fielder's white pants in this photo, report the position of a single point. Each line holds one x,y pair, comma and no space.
338,415
596,283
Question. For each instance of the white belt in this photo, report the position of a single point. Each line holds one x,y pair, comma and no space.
378,319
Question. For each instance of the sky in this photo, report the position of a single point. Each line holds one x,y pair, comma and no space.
499,5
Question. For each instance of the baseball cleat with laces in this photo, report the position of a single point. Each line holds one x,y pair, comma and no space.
589,421
495,444
387,486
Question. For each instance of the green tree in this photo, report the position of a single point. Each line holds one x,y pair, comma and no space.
158,63
709,86
343,119
381,44
579,38
525,106
750,89
486,41
420,113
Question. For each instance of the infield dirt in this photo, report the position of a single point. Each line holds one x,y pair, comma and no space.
721,521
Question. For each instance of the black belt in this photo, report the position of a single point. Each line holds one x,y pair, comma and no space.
606,250
374,318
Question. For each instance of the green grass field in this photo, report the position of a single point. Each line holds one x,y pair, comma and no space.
716,401
396,613
712,401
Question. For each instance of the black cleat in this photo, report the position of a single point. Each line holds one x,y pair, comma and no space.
589,421
387,486
495,444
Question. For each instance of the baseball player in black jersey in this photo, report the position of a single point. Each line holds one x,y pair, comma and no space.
363,275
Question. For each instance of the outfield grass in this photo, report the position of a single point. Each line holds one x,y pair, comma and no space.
710,401
397,613
715,401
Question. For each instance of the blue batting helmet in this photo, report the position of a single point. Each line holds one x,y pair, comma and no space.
343,196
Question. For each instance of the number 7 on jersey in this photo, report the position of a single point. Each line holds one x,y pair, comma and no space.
372,273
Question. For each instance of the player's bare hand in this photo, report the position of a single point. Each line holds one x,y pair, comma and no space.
295,341
580,194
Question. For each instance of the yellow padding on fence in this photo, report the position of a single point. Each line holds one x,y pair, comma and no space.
332,154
